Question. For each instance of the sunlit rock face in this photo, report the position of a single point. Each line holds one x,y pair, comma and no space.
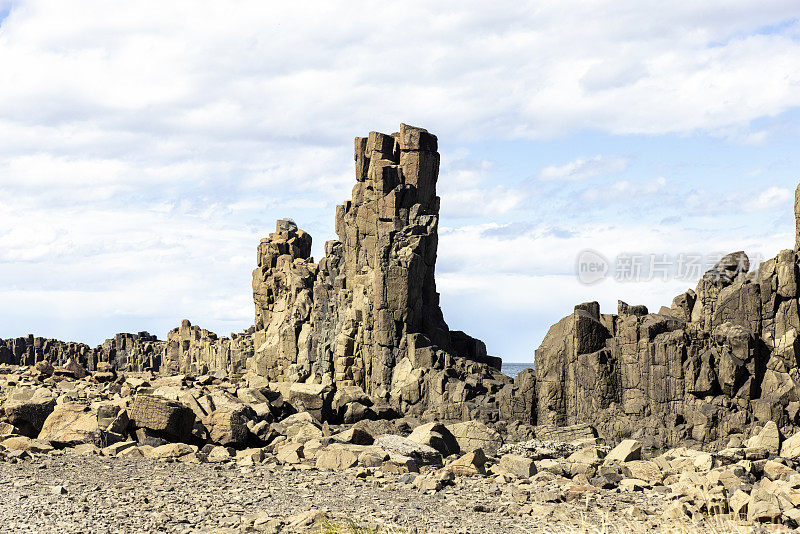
367,314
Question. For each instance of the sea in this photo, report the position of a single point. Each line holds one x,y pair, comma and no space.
513,369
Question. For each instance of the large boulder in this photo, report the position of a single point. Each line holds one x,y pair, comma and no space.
517,465
437,436
400,446
23,443
337,458
628,450
169,419
472,435
28,408
228,425
472,463
69,425
769,438
791,447
312,398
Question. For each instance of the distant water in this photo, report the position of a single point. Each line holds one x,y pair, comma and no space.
513,369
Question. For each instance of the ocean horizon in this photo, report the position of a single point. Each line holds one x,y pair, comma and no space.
512,369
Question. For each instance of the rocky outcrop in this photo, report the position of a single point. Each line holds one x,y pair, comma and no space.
359,335
30,350
723,357
367,314
196,351
128,352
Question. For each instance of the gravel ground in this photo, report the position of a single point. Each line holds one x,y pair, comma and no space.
92,494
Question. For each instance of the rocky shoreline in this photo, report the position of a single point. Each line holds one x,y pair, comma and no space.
351,402
113,456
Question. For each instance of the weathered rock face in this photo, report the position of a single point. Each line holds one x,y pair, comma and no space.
721,358
130,352
196,351
30,350
127,352
368,313
366,316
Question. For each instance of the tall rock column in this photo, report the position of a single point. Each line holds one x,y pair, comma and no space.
282,290
389,236
797,218
368,313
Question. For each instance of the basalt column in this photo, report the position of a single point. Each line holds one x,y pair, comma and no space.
388,231
368,313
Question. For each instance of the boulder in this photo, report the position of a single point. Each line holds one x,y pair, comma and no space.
312,398
791,447
219,454
437,436
400,446
303,431
346,395
628,450
26,444
398,465
172,450
281,426
739,503
170,419
473,435
337,458
227,426
112,418
589,455
517,465
7,429
69,425
643,470
289,453
44,368
28,408
116,448
372,458
246,457
768,438
764,505
472,463
356,436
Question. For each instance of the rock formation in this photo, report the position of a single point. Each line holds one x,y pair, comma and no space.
368,313
196,351
360,334
366,316
721,358
128,352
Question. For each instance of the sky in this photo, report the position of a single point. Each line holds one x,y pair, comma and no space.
147,147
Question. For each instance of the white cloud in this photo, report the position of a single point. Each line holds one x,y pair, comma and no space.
584,168
624,190
148,146
771,197
260,70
